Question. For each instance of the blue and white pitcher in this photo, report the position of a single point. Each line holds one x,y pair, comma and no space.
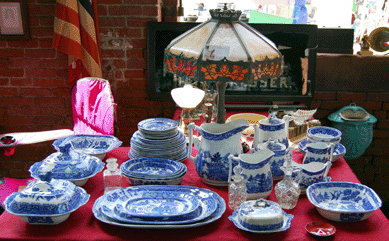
218,141
256,172
319,152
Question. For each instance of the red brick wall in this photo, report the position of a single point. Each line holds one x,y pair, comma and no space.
34,95
342,79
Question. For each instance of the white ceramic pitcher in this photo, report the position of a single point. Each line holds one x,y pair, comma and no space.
256,171
312,172
218,141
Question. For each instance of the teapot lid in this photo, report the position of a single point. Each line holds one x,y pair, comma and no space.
352,113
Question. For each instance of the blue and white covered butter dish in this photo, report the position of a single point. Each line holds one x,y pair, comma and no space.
46,200
68,165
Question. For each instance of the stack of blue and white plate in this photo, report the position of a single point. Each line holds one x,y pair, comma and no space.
159,207
159,138
153,171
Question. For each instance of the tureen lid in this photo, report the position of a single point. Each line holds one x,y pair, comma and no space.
66,164
352,113
46,196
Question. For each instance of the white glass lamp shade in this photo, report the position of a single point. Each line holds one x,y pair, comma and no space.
187,96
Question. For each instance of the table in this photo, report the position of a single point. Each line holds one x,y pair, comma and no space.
82,225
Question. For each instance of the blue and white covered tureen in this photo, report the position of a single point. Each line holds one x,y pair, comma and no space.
46,200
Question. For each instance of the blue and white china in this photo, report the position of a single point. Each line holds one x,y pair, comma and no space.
339,149
109,205
285,224
157,127
67,164
281,154
324,134
153,171
169,145
153,167
256,172
312,172
95,145
46,200
272,128
221,207
343,201
261,214
159,206
218,141
319,152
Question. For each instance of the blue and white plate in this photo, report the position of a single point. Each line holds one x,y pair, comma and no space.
156,126
120,196
177,137
339,150
159,206
180,156
287,221
221,207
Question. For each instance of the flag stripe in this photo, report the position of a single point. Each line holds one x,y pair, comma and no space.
87,6
76,34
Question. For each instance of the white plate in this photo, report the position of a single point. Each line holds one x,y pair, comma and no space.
221,207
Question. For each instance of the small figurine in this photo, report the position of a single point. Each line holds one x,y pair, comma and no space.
365,46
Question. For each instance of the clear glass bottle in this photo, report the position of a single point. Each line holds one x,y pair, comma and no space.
237,191
112,176
288,189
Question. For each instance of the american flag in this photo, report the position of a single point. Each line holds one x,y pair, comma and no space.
76,33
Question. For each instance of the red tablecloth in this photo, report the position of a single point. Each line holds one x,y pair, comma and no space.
82,225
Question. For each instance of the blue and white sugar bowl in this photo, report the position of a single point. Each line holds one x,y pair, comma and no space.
46,200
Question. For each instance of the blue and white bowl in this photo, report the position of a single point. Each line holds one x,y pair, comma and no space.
69,165
46,200
153,171
324,134
343,201
95,145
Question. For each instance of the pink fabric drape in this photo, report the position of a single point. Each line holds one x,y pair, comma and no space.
93,107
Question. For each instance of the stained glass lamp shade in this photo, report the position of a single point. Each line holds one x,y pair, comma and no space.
222,50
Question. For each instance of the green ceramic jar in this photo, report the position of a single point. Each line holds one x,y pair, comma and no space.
356,125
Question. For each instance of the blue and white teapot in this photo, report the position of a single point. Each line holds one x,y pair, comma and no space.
272,127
